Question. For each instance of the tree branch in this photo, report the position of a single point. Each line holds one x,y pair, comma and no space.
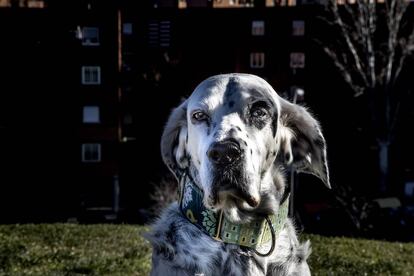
394,13
350,45
343,69
371,22
407,48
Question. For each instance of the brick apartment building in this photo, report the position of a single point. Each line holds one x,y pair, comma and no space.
80,128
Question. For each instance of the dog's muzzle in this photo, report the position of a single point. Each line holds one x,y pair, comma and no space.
226,158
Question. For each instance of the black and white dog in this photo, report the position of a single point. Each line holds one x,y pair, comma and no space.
233,137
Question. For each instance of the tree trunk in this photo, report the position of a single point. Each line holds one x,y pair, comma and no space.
383,150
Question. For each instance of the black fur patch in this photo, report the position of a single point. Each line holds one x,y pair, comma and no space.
299,258
217,259
274,126
171,234
165,252
274,119
319,142
227,267
287,156
262,174
260,122
232,87
182,159
258,264
244,262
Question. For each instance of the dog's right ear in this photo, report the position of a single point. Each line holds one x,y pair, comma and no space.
174,139
302,142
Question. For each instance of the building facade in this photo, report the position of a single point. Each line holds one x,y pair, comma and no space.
99,80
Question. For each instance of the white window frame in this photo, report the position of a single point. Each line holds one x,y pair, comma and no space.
257,60
258,28
84,151
89,82
91,114
87,41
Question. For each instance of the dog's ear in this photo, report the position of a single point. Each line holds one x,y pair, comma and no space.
173,139
301,141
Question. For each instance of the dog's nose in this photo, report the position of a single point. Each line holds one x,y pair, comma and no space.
224,153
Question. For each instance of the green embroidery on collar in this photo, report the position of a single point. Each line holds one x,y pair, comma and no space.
252,235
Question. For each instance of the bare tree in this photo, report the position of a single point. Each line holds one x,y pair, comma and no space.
373,43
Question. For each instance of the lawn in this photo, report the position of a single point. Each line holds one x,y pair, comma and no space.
70,249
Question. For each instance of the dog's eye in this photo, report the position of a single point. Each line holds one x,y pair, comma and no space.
199,116
259,113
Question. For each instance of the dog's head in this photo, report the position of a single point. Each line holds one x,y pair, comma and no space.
234,134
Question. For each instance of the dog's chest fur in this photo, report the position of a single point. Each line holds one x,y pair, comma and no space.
180,248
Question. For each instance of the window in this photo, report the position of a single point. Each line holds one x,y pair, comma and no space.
291,3
298,28
159,33
127,28
182,4
297,60
257,60
91,153
36,4
90,36
91,114
91,75
39,4
233,3
258,28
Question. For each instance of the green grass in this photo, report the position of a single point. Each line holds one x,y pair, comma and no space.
346,256
70,249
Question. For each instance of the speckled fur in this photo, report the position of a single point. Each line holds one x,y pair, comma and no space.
288,135
180,248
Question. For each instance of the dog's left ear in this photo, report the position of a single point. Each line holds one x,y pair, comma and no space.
301,141
173,140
